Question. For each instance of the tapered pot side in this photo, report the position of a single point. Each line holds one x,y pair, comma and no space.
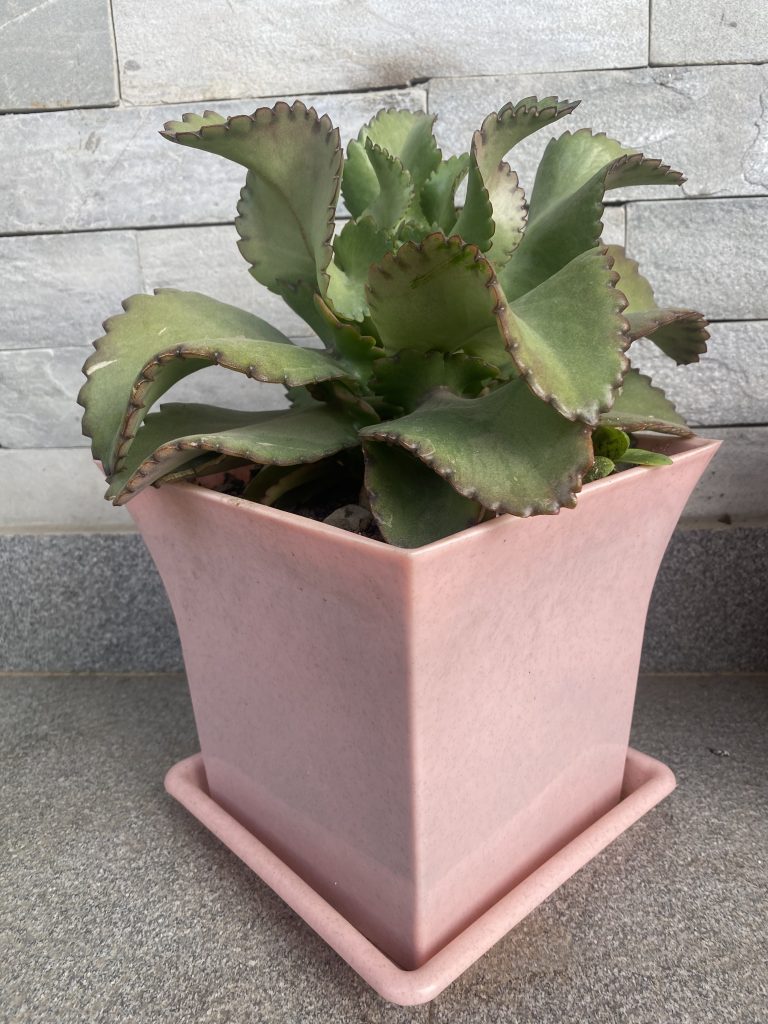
415,731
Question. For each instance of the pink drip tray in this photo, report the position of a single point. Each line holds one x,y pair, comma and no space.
646,782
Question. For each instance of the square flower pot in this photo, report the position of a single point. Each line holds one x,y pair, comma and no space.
414,733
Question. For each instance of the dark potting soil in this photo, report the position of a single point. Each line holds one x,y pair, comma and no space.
319,507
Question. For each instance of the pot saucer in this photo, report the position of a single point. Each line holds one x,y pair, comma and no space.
646,782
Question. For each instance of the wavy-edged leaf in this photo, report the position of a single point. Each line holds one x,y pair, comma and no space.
568,337
376,185
359,244
351,346
507,450
495,184
173,420
352,401
643,406
437,195
438,295
405,378
566,208
288,205
288,437
681,334
164,337
474,223
412,504
151,323
406,137
415,231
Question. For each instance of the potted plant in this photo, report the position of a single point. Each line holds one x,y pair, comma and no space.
416,728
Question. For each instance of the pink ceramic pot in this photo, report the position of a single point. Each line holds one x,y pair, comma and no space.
415,731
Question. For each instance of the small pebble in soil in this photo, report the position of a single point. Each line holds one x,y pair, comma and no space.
354,518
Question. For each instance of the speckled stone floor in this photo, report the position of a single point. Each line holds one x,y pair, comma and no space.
118,907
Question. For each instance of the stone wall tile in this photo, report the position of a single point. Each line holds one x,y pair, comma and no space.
708,122
709,31
708,254
55,55
77,170
194,49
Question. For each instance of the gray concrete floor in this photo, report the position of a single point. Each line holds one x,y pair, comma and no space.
118,907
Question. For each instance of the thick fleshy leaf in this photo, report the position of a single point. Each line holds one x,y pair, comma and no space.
495,184
285,438
151,323
175,420
601,467
438,295
642,406
359,244
437,195
642,457
376,185
349,344
679,333
474,223
507,450
405,378
405,136
412,504
272,483
164,337
566,208
567,337
610,442
287,207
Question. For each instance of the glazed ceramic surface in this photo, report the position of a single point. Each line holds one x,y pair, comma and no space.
413,732
646,782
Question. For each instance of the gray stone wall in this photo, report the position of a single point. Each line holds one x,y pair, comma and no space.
95,206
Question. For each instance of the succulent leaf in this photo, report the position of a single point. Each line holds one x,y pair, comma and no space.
288,205
272,483
405,378
412,504
601,467
475,222
359,244
642,457
507,450
285,438
566,208
474,384
493,184
348,344
382,189
405,137
173,420
439,295
679,333
610,442
437,195
642,406
568,337
164,337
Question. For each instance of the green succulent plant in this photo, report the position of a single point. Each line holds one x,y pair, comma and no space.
473,359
